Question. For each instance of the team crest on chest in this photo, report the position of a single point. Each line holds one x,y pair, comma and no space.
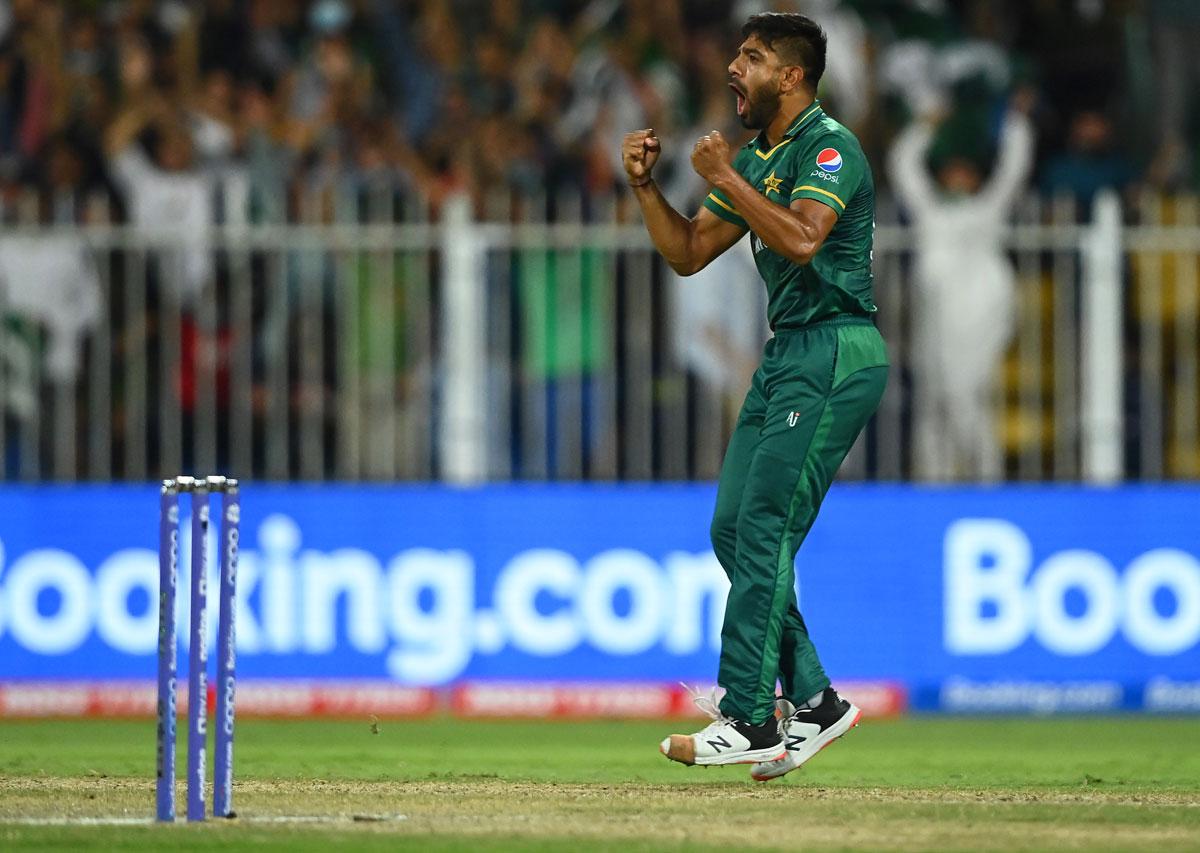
771,184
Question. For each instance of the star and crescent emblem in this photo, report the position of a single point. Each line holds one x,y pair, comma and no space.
771,184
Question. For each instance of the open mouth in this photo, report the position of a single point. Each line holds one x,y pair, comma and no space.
741,99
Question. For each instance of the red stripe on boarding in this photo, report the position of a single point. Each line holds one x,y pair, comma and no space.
362,698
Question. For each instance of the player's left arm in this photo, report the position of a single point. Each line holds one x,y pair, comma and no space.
796,232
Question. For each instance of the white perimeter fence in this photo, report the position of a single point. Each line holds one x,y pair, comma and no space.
543,339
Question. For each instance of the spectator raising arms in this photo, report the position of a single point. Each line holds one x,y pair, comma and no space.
965,290
166,191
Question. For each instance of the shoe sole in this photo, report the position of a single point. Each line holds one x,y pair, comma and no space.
682,748
823,740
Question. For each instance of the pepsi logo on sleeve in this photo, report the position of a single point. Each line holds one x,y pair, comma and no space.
829,160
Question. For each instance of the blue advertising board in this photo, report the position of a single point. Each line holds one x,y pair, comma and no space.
1038,598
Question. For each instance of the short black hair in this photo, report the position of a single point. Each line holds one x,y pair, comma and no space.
798,39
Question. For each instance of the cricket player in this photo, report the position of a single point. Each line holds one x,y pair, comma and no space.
804,191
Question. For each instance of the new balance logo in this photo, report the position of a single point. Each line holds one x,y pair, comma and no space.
720,742
794,741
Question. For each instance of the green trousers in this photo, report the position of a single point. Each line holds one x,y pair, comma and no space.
810,398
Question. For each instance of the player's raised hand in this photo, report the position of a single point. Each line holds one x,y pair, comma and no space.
710,156
639,153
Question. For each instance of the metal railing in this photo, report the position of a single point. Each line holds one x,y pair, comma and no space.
533,338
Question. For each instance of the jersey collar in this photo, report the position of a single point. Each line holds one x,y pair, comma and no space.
806,117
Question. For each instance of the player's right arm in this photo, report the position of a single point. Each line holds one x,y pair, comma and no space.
688,245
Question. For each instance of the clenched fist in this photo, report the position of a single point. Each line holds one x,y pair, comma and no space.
639,153
710,157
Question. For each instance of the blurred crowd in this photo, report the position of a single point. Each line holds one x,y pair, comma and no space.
189,112
446,95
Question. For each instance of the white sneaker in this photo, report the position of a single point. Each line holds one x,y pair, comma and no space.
725,740
806,731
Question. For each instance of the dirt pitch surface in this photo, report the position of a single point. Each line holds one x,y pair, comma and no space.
918,784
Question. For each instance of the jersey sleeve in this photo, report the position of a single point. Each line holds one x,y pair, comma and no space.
829,171
718,203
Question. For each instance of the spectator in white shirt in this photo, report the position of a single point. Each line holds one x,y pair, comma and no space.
166,191
965,289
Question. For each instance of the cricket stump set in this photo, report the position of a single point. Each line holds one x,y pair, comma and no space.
200,488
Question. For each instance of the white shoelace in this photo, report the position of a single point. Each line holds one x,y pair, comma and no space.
709,705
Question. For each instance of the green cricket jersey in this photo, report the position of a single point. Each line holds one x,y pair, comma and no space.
822,160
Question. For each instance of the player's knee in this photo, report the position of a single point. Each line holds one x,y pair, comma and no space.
723,535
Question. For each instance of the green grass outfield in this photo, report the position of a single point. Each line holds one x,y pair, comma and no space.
921,783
